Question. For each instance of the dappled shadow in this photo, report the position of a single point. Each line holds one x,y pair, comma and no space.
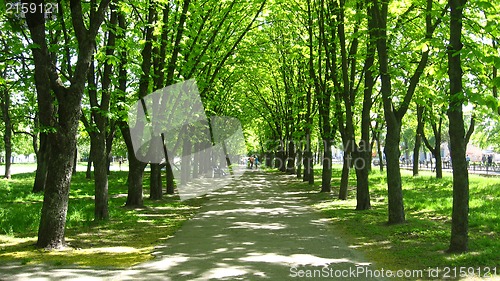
260,226
257,227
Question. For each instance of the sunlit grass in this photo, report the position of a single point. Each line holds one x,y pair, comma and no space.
126,239
421,242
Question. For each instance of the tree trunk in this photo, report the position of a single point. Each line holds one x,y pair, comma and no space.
186,158
439,163
290,165
196,160
436,149
135,172
394,186
100,159
380,154
155,186
56,195
308,160
299,161
169,173
45,102
280,161
75,162
363,151
170,178
135,175
326,177
362,186
418,139
60,167
229,165
42,160
7,137
344,179
308,167
277,158
110,136
460,220
269,159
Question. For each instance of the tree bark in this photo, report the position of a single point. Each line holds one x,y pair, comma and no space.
362,185
280,161
75,162
436,150
418,139
381,157
7,136
299,161
308,167
135,174
155,187
110,136
344,178
56,195
186,157
169,173
88,173
170,189
460,214
326,176
290,165
100,159
42,159
394,187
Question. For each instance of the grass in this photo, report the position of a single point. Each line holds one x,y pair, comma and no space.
130,235
128,238
421,242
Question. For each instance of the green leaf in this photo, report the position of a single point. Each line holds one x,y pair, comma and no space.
485,5
496,82
496,61
33,46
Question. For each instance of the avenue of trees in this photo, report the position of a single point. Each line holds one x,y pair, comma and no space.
374,77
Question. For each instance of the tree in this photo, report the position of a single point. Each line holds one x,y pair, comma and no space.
62,140
393,113
458,139
5,104
363,151
97,124
323,92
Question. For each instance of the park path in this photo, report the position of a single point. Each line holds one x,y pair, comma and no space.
257,228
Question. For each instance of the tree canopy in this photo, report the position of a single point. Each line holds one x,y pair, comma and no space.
380,77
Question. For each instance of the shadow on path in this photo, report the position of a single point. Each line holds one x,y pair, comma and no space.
255,228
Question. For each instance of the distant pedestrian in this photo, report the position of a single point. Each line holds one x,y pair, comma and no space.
256,162
490,160
483,159
251,160
467,159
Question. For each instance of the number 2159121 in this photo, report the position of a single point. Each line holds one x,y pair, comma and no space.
21,9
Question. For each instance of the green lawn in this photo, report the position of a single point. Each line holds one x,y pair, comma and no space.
422,241
130,235
126,239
